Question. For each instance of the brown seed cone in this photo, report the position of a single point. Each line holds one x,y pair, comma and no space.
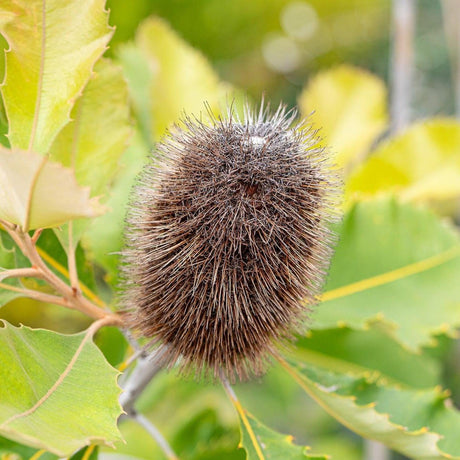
228,240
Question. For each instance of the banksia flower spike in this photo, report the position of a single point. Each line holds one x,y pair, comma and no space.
228,240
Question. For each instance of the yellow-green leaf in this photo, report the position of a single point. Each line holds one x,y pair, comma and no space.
182,78
8,256
53,47
36,193
262,443
349,106
365,352
94,140
103,240
421,164
139,76
397,265
58,392
418,423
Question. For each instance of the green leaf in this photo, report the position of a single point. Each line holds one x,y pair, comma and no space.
7,251
260,442
205,435
7,295
104,238
113,344
49,378
44,72
349,106
3,125
87,453
20,451
362,353
94,140
420,164
28,181
8,260
418,423
182,78
396,265
140,77
49,244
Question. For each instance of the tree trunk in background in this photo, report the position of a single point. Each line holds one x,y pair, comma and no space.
401,68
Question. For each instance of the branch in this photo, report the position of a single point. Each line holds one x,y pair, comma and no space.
153,431
143,373
71,297
109,320
20,273
146,369
77,302
37,295
228,388
12,231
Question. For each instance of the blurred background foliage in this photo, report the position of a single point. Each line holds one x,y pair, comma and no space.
271,47
274,46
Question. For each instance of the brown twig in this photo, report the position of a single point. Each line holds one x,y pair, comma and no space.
71,298
36,235
20,273
11,229
37,295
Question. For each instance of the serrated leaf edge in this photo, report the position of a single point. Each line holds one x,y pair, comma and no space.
424,430
87,335
71,102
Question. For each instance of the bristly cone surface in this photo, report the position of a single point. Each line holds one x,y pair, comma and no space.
228,240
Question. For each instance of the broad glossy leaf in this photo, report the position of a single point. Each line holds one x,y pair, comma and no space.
363,353
36,193
422,163
418,423
397,265
44,72
262,443
94,140
348,105
182,78
48,378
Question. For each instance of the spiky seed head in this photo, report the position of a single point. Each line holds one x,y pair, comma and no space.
228,239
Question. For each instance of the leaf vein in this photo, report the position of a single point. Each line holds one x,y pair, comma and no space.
56,385
392,275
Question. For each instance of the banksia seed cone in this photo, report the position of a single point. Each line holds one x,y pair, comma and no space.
228,240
